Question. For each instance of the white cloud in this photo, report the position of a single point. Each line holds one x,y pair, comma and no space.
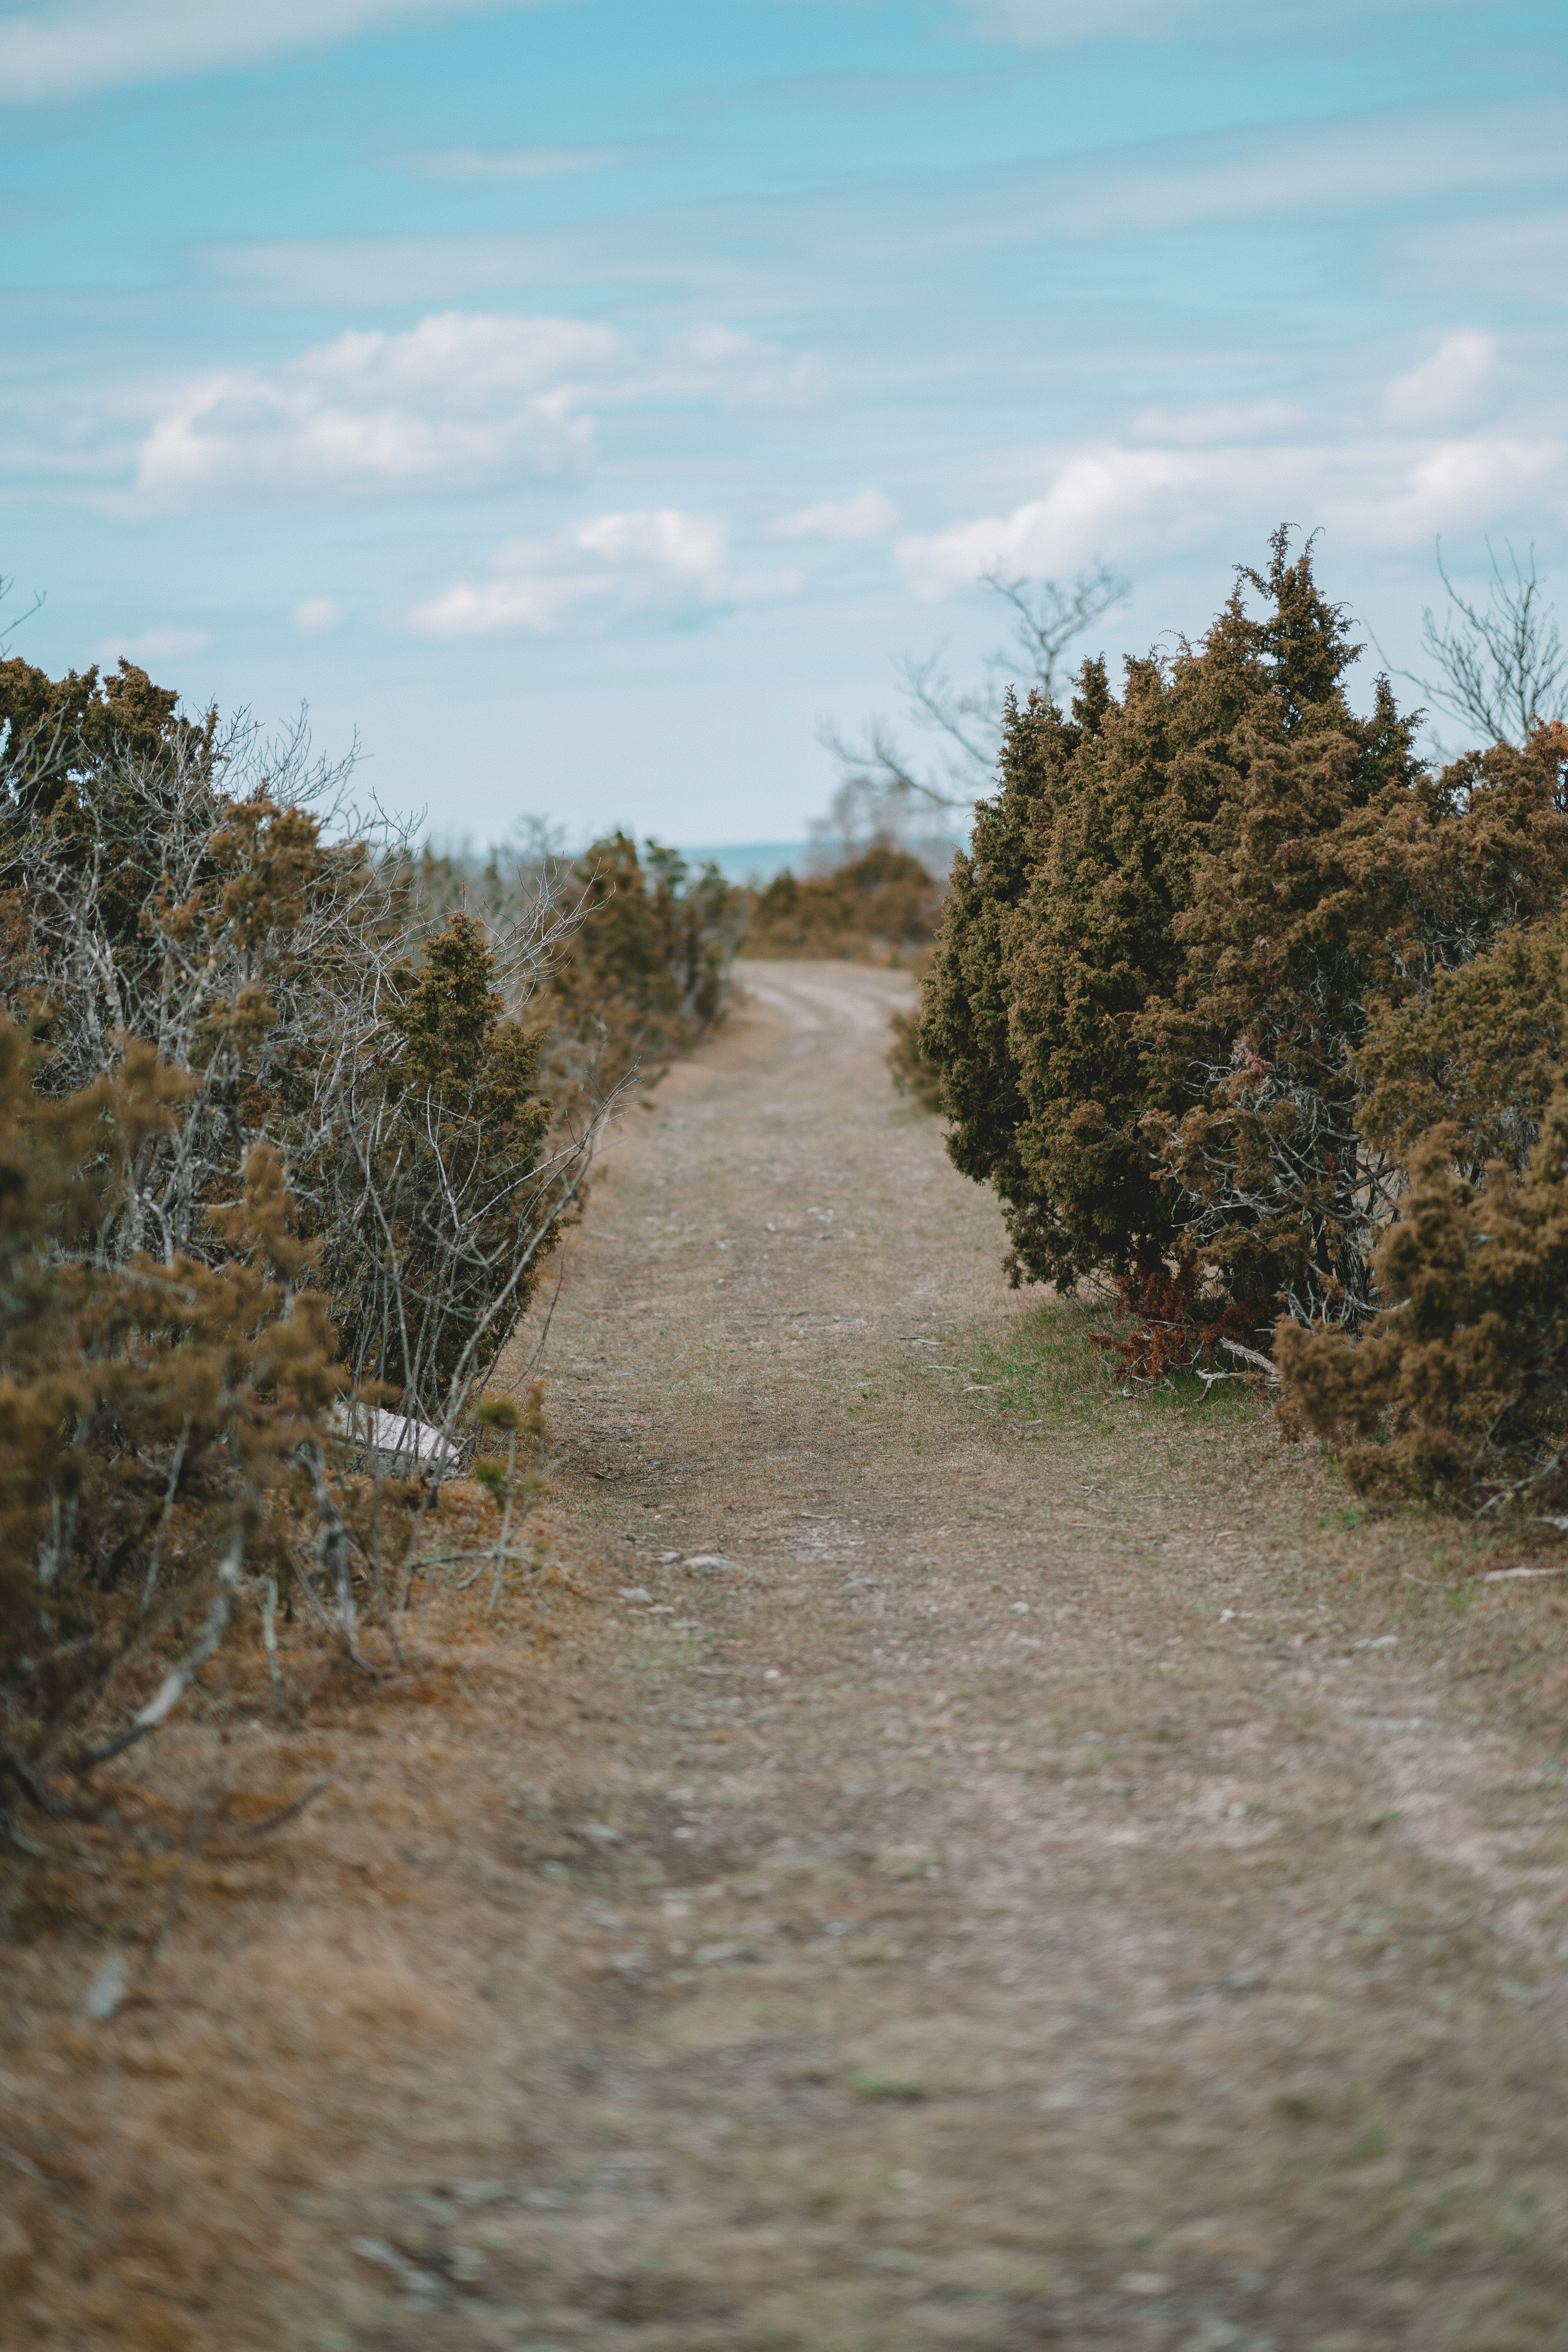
1446,387
1066,24
741,366
1476,483
1098,499
1311,169
152,646
512,163
316,614
658,563
867,514
461,396
71,46
1243,420
1513,256
1372,490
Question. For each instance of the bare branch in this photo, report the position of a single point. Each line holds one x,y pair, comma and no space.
885,794
1499,665
179,1678
18,619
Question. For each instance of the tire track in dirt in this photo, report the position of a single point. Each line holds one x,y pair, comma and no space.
1002,1889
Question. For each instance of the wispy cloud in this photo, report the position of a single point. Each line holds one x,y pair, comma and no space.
512,163
1065,24
1068,24
1511,258
1446,388
808,251
1314,168
461,396
1220,420
1375,486
314,616
73,47
151,645
869,514
656,565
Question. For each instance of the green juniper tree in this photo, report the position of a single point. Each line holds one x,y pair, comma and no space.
1064,931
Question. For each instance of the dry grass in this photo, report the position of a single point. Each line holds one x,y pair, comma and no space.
292,1999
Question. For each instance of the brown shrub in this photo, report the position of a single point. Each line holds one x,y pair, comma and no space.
169,884
1063,942
881,906
165,1430
1183,1322
1479,1051
1183,922
1458,1391
645,972
912,1070
1336,889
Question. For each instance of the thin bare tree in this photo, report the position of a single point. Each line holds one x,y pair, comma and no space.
1498,662
9,628
886,792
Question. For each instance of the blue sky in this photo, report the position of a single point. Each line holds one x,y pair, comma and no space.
580,400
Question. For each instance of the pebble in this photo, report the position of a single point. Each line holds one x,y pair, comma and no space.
419,2286
107,1990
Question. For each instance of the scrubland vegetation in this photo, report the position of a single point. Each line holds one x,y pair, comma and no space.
1247,1009
880,906
291,1118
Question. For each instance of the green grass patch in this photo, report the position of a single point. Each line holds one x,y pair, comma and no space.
867,2083
1044,1365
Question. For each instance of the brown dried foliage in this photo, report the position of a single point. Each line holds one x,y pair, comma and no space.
1322,910
1457,1391
642,972
1183,1322
164,1433
881,906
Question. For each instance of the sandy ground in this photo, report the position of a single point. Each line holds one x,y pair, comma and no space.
993,1865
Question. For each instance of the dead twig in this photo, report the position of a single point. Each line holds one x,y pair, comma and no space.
285,1813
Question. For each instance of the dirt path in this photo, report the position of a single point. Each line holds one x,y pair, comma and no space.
1007,1897
986,1871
